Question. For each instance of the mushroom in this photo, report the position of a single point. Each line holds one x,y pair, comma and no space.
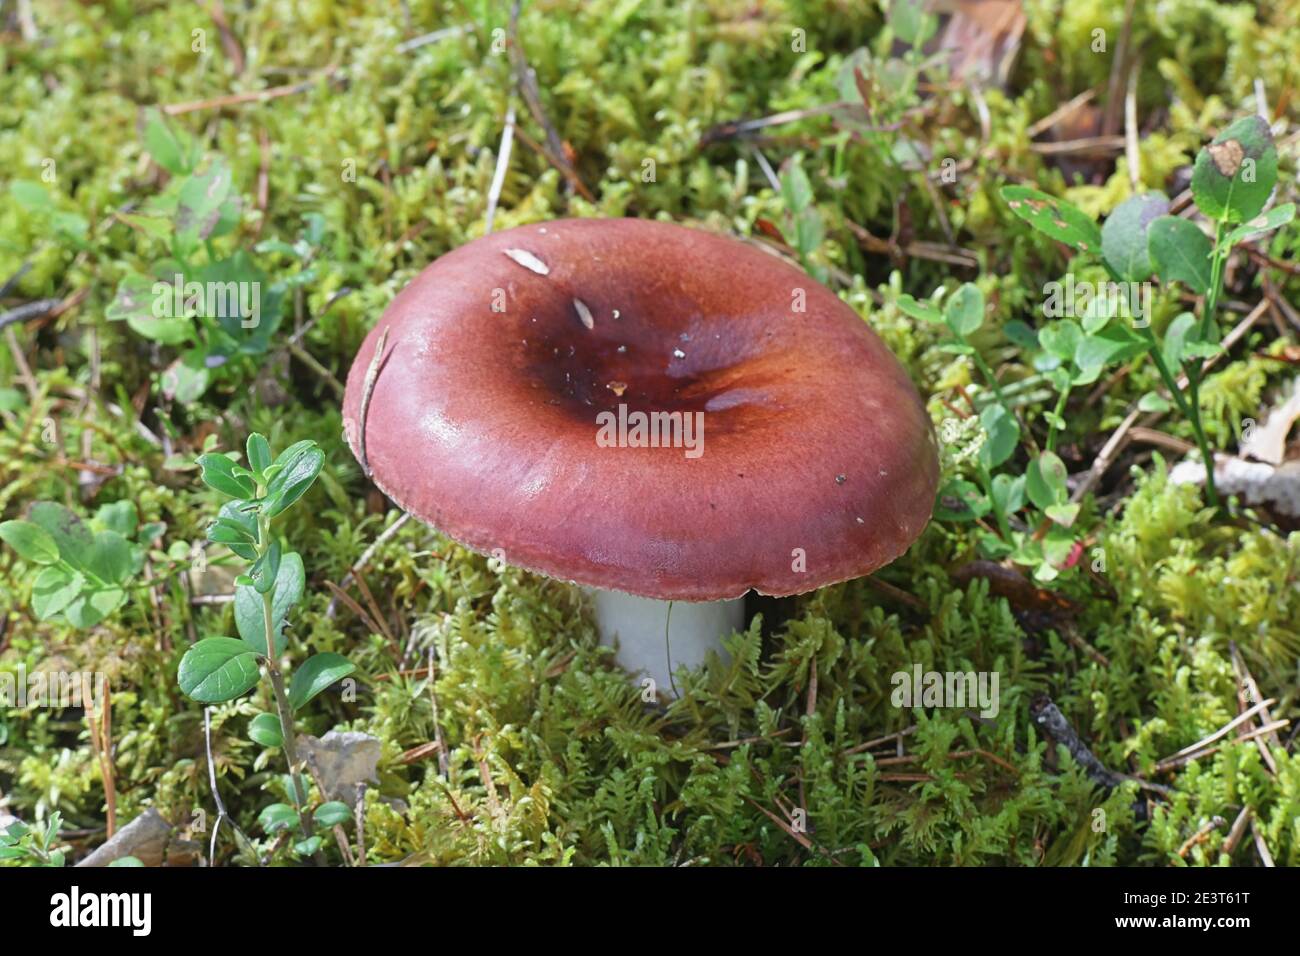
668,417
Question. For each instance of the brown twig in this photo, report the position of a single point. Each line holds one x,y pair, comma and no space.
366,555
253,96
101,745
228,40
443,758
1061,112
1172,763
526,80
1249,691
1087,146
1202,833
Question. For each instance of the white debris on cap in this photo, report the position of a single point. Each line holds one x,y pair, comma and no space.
584,313
528,261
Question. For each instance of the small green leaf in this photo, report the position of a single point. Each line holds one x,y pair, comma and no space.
265,729
1008,493
332,814
278,816
292,481
1054,217
259,453
964,311
1045,481
959,500
1021,333
1233,176
200,203
146,306
65,526
1180,252
919,310
91,606
31,195
249,614
1176,337
128,861
1275,218
315,675
1003,434
1113,344
796,189
32,542
170,150
54,589
1124,235
110,558
1061,339
186,379
119,516
911,22
308,846
265,568
219,473
236,528
217,669
1062,514
1153,402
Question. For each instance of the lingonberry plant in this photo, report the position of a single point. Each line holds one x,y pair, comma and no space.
218,669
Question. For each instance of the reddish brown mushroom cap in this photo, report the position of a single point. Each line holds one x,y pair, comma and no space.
483,418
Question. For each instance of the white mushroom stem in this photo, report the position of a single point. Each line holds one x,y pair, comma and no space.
653,642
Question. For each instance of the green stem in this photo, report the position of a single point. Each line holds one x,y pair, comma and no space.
1193,368
1216,280
1004,527
1189,407
986,371
1056,417
288,742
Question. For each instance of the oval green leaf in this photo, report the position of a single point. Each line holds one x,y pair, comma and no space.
1234,174
964,311
1045,481
265,729
54,589
1054,217
219,473
1003,433
250,620
1180,252
293,480
332,814
278,816
1124,235
217,669
32,542
315,675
